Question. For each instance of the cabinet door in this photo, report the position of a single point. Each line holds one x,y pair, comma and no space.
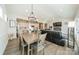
40,25
45,26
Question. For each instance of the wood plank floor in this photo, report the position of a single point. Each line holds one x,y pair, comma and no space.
51,49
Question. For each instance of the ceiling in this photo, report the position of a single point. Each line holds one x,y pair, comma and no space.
43,11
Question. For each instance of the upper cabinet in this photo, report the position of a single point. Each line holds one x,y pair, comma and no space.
26,23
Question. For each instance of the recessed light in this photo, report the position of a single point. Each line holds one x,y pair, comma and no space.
53,18
61,10
26,10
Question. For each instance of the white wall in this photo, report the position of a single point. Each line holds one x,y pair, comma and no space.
77,32
3,31
64,23
77,25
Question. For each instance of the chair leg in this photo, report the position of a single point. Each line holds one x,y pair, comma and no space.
23,51
19,46
43,51
31,51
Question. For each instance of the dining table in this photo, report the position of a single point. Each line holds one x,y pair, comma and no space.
30,38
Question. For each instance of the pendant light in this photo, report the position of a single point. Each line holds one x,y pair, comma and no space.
32,17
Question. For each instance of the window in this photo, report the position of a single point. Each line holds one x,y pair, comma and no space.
12,23
71,24
1,13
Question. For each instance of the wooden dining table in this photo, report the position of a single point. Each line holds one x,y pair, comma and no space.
30,38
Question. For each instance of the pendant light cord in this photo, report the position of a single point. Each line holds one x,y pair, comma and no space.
32,9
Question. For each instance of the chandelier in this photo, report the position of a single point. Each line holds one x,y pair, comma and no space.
32,17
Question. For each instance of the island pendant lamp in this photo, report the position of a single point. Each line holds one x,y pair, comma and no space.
32,17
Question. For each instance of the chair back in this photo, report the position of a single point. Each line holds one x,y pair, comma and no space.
20,37
41,42
42,37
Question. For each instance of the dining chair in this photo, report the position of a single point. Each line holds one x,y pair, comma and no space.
19,31
41,43
23,45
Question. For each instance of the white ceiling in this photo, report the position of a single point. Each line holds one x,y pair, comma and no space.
43,11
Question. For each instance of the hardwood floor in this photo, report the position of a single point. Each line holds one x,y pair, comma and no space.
51,49
12,48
